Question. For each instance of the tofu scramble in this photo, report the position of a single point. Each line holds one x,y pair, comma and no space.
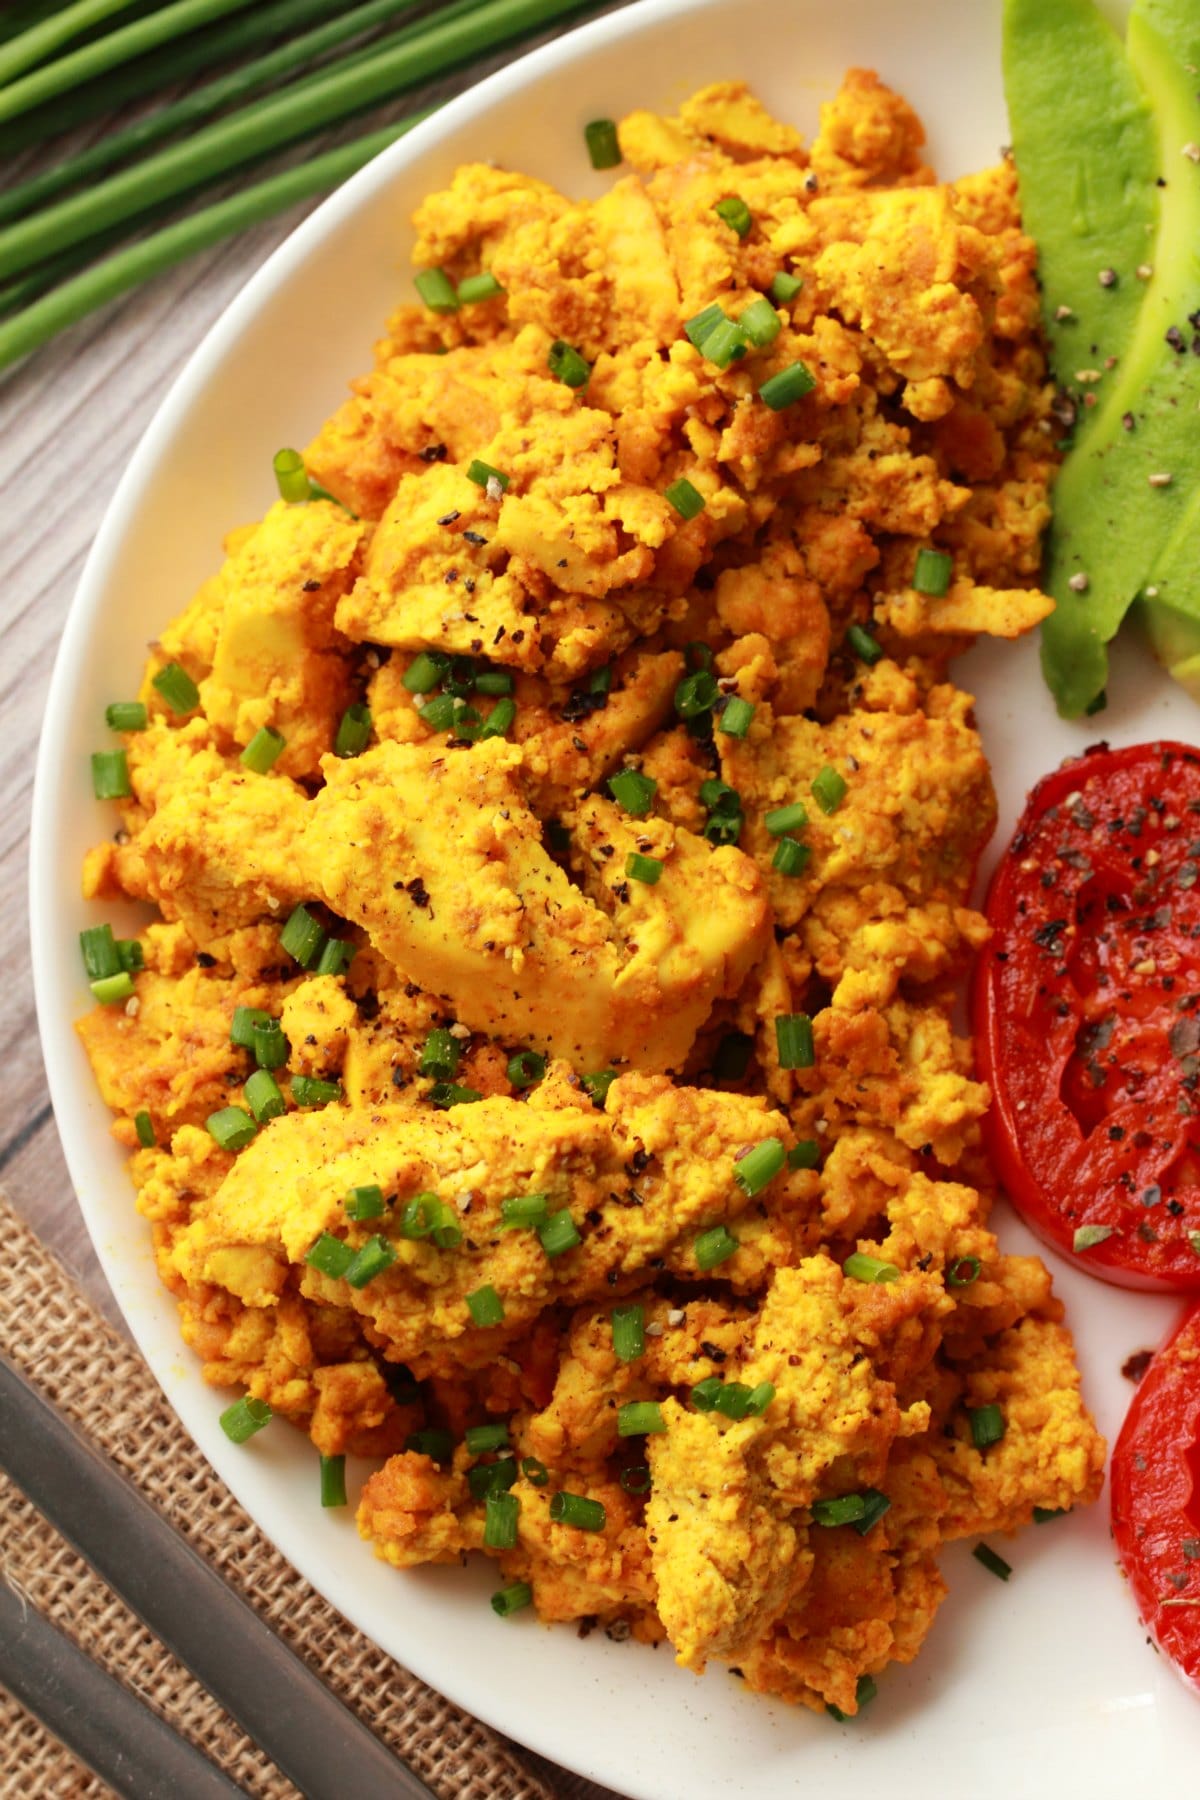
540,1077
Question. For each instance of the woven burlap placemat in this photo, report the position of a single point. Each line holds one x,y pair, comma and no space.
97,1378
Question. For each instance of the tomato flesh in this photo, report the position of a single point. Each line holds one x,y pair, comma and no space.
1156,1497
1086,1007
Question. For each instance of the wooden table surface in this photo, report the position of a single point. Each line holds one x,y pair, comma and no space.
70,416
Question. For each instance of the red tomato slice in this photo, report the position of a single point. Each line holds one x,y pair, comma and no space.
1086,1008
1156,1497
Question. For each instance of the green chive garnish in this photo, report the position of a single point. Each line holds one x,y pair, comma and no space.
424,673
291,476
101,958
241,1026
474,288
535,1473
635,1479
1042,1515
633,791
861,1267
330,1255
784,288
485,1306
865,1690
336,956
333,1481
786,819
375,1256
788,386
491,1478
698,327
302,937
760,1398
494,681
126,715
499,720
416,1221
559,1233
264,750
525,1209
735,716
864,645
511,1599
706,1393
598,1084
736,214
113,988
643,868
263,1097
687,500
791,857
354,731
437,1445
143,1124
962,1271
446,1230
436,290
932,571
640,1418
270,1045
577,1510
365,1202
525,1068
440,1056
759,1166
438,713
794,1041
132,956
715,1246
696,694
500,1521
987,1425
567,365
232,1127
177,688
760,322
246,1416
483,474
628,1332
445,1094
828,789
480,1439
725,343
995,1565
805,1155
600,135
860,1510
307,1091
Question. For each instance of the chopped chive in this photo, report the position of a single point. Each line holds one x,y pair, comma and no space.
263,1096
643,868
759,1166
865,1690
480,1439
760,1398
445,1230
735,716
1042,1515
567,365
424,673
354,731
534,1471
491,1478
365,1202
706,1393
436,290
132,956
101,958
697,655
246,1416
828,789
723,828
302,937
525,1068
500,1521
485,1306
1088,1236
791,857
445,1094
995,1565
790,385
864,645
577,1510
633,791
784,288
435,1444
559,1233
232,1127
600,135
861,1267
375,1256
732,1057
241,1026
438,713
126,715
805,1155
987,1425
635,1479
640,1418
715,1246
111,988
962,1271
333,1481
600,680
596,1086
143,1124
291,476
760,322
177,688
416,1221
459,676
785,819
330,1255
484,476
724,344
628,1332
500,719
441,1054
932,571
494,681
698,327
110,775
336,956
687,500
264,750
794,1041
525,1209
270,1045
733,1401
474,288
736,214
511,1599
696,694
307,1091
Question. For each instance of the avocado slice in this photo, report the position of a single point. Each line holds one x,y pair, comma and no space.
1113,513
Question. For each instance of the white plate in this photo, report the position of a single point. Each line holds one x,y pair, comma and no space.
1044,1684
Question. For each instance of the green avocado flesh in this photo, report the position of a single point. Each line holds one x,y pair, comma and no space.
1119,127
